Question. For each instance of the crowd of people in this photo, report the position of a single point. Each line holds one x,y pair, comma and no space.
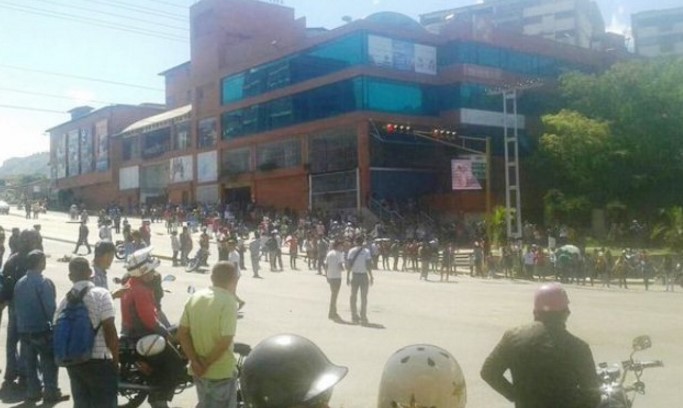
327,244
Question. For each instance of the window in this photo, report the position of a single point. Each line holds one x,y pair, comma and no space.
156,143
207,134
181,136
333,151
279,155
316,62
395,97
131,148
236,161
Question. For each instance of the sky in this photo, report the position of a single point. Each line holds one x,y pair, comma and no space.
58,54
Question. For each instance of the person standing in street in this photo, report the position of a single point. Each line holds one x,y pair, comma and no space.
93,382
83,237
255,252
34,297
206,333
360,266
15,268
105,251
549,366
185,245
334,265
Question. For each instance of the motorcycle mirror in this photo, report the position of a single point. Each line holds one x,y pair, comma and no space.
191,289
169,278
642,343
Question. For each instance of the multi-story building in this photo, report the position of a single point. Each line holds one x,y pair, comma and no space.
658,32
575,22
270,111
84,161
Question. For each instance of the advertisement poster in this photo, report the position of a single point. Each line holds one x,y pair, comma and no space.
207,132
380,51
102,152
425,59
87,150
60,157
129,177
73,153
404,53
207,166
462,176
181,169
401,55
207,194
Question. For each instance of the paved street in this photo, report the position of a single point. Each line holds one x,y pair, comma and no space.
467,317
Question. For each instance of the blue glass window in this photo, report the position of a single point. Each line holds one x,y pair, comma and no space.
395,97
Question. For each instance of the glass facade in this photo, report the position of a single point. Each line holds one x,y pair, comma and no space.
361,93
319,61
156,143
333,150
279,155
236,161
181,136
508,60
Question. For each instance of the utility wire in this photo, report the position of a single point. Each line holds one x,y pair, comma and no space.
106,81
142,9
95,22
168,3
144,20
56,96
28,108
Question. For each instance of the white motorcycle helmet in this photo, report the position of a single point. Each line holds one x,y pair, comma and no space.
141,262
422,376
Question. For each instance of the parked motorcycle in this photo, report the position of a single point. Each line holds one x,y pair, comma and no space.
614,394
200,258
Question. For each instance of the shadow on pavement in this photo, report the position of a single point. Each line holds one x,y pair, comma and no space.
373,325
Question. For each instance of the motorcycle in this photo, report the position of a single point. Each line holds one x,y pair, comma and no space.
200,258
614,394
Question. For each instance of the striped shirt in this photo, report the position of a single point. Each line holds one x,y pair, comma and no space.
100,307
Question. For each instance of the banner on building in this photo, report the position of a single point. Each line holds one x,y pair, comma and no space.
73,143
87,151
401,55
60,157
207,166
207,194
478,165
181,169
462,177
102,149
129,177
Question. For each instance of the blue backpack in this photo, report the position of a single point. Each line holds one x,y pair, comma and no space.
73,334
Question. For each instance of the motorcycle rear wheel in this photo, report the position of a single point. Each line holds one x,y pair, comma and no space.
120,252
192,265
132,400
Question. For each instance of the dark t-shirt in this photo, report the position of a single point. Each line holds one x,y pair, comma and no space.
550,367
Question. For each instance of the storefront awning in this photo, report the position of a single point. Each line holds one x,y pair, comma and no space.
159,121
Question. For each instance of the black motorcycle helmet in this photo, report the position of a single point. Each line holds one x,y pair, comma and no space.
286,371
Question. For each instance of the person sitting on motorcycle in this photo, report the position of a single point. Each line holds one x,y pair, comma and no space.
288,371
549,366
141,316
422,375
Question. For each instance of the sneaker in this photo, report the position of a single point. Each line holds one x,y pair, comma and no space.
55,398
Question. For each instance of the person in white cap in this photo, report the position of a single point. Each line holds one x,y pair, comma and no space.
141,316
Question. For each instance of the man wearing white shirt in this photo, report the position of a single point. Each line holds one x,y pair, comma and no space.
360,266
334,265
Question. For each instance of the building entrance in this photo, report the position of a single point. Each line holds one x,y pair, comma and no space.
240,195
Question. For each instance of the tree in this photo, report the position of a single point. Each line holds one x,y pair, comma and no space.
670,229
641,102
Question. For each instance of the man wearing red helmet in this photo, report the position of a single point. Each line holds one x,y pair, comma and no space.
549,366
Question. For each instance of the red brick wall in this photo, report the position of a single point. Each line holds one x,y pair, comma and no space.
283,192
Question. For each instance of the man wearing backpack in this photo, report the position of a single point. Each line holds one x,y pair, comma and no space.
34,303
87,313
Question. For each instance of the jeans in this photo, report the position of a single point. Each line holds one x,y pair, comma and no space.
255,265
16,365
216,393
35,347
94,384
335,285
359,281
